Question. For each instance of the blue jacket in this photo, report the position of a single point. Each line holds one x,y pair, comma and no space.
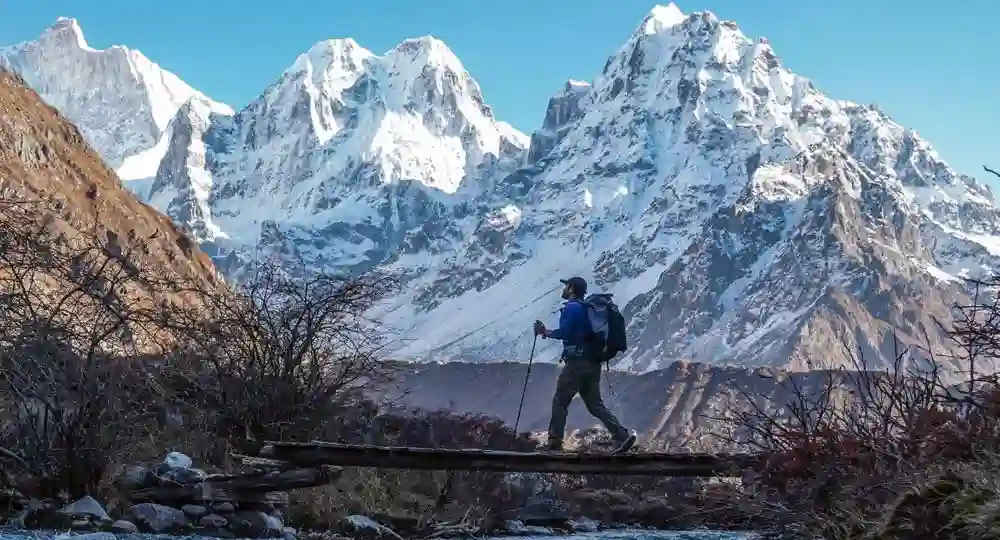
574,329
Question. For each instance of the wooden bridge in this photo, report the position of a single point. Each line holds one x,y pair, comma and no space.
282,466
316,453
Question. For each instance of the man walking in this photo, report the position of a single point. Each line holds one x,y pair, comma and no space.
582,372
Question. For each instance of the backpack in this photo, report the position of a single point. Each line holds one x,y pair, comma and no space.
607,324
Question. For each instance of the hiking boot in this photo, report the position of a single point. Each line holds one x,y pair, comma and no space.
627,444
553,445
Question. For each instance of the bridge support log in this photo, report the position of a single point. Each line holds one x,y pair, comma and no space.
649,464
253,488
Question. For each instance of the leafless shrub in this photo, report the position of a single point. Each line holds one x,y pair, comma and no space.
282,354
839,455
70,300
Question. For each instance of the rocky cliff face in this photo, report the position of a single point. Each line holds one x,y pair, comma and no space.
737,213
45,158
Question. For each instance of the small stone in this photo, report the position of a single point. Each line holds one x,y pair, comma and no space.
158,518
255,524
81,524
184,476
137,478
213,521
584,525
224,508
124,527
177,460
273,525
194,510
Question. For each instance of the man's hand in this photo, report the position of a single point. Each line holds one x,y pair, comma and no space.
539,329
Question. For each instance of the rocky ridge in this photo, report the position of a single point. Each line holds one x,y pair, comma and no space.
43,157
682,407
121,101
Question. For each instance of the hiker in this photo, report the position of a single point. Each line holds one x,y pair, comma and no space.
582,372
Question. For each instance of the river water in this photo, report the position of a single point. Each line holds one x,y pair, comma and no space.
8,534
648,535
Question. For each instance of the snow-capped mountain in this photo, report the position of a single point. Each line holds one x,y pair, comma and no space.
737,212
121,100
342,161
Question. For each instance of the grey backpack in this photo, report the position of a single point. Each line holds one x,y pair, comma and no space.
607,324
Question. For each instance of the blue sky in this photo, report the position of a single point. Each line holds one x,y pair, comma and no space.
932,66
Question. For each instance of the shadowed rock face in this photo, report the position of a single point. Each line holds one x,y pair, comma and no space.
684,405
43,157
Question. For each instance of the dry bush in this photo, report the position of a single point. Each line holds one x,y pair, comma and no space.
279,356
840,456
72,304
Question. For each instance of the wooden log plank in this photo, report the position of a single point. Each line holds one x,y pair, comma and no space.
262,462
261,487
205,492
661,464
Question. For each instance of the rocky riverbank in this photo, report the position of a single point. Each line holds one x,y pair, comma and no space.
173,497
9,533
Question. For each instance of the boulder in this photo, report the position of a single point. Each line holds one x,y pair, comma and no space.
177,460
86,508
255,524
137,477
157,518
195,510
213,521
223,508
584,525
183,476
124,527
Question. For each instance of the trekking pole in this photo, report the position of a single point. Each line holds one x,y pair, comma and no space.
524,391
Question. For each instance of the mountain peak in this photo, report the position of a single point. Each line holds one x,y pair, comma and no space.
426,51
65,23
67,32
129,101
662,17
340,53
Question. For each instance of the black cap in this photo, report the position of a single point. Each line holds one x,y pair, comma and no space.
578,283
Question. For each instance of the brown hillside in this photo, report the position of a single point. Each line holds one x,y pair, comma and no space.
43,157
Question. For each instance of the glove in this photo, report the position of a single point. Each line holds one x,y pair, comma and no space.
539,329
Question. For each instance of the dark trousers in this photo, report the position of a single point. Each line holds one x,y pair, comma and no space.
581,376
